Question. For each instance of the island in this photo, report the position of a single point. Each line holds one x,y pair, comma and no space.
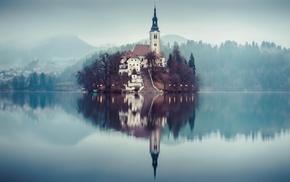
142,69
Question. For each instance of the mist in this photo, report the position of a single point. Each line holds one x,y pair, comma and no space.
119,22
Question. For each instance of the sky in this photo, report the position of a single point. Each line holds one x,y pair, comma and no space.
118,22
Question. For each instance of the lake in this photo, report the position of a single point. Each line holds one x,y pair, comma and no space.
69,136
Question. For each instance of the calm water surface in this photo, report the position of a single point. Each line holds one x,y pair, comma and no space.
206,137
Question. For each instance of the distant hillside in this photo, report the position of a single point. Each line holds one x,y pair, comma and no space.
54,49
62,47
173,38
170,38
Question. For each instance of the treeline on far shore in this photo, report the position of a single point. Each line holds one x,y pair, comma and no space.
35,82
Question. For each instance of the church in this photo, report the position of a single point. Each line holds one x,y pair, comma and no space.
135,60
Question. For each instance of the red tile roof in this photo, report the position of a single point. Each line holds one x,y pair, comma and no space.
129,53
141,50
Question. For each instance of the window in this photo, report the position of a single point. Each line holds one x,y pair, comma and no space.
155,45
155,147
155,36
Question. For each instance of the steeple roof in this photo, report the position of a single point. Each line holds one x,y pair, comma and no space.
154,162
155,22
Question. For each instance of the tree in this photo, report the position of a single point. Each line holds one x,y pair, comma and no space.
170,61
181,76
42,81
151,57
176,55
4,85
86,78
18,83
22,82
33,81
114,61
191,63
15,84
104,70
50,82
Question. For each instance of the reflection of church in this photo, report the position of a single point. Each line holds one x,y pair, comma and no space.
142,115
137,121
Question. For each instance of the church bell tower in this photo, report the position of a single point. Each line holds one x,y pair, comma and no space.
155,35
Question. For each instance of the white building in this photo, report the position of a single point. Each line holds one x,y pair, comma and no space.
135,59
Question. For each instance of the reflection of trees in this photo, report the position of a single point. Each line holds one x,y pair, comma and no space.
181,110
238,113
102,110
134,114
120,112
228,114
38,100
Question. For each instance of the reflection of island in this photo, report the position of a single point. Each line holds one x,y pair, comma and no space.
158,118
248,114
146,115
137,114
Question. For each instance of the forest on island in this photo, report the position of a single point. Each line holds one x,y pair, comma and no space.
102,74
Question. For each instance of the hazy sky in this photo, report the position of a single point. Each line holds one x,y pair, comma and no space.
125,21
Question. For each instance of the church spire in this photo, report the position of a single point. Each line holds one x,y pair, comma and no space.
154,162
154,21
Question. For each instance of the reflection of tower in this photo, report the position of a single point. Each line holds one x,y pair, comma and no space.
155,148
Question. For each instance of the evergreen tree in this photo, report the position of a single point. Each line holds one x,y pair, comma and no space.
170,61
22,82
42,81
176,54
50,83
191,63
33,81
15,83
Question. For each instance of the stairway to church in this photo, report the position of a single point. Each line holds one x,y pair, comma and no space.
148,87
